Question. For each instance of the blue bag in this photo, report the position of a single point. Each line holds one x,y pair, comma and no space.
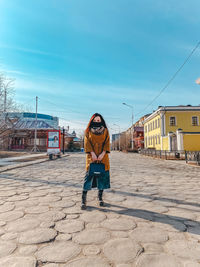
96,169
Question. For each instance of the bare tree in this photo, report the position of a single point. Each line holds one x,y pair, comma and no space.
7,104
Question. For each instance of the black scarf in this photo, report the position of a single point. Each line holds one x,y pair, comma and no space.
97,127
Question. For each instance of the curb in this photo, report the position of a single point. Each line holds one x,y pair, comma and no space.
24,164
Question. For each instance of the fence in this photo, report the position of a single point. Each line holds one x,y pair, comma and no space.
192,157
164,154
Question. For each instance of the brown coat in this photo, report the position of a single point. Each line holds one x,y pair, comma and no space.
97,142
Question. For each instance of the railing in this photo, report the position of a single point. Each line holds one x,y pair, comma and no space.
164,154
192,157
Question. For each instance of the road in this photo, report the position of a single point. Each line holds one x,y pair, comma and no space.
151,217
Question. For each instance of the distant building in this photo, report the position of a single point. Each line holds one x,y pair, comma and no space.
137,129
115,141
173,128
21,133
72,142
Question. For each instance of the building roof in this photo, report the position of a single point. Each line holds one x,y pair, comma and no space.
138,129
31,124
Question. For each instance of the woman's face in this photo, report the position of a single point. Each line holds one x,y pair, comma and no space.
97,119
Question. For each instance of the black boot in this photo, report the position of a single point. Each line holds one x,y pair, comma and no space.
100,196
83,204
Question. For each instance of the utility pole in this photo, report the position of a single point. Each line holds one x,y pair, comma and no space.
35,148
63,140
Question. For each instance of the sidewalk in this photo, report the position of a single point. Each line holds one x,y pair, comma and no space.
22,161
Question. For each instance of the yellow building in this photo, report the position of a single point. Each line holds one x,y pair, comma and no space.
173,128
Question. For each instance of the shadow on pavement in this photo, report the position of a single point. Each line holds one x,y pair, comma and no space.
174,221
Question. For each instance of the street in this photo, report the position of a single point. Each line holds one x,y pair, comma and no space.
151,217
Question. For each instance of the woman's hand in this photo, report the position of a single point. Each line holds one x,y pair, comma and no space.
94,157
101,156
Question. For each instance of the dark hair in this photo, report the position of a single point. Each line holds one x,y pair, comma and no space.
91,120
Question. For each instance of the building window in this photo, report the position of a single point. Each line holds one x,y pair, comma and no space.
195,121
153,125
158,139
158,123
172,121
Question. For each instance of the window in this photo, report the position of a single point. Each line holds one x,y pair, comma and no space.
172,121
156,125
195,121
158,139
153,125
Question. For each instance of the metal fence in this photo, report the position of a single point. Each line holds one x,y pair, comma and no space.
192,157
164,154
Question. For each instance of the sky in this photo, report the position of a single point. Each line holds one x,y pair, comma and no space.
85,56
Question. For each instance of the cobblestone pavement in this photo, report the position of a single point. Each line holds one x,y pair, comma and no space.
152,216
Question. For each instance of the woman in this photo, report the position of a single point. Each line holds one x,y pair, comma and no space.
97,147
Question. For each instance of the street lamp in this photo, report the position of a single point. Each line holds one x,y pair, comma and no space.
119,133
132,123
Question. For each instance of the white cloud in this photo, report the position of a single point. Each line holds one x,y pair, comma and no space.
27,50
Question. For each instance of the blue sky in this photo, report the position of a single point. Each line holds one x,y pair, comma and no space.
86,56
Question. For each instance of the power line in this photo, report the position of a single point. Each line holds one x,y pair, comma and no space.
172,78
72,111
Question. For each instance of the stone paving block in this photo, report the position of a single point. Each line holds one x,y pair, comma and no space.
88,262
7,248
93,217
37,236
27,250
58,252
69,226
22,225
51,216
91,250
184,249
50,265
149,235
6,207
11,215
158,260
92,236
17,261
37,209
122,250
119,224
